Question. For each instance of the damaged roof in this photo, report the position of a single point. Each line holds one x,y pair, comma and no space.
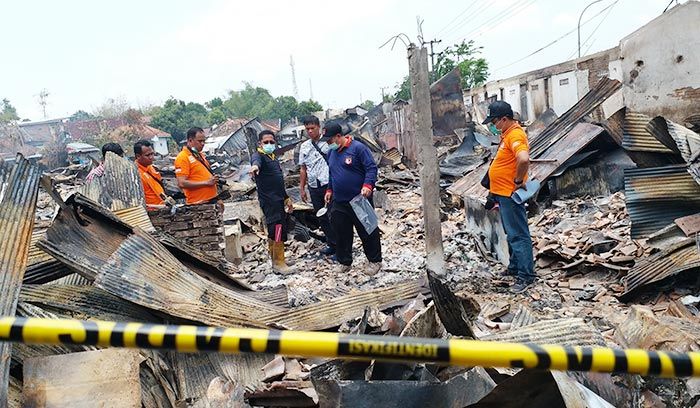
18,196
675,259
334,312
604,89
656,196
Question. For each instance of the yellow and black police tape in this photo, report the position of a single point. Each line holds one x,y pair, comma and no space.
322,344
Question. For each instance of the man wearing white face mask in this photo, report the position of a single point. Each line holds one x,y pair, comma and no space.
507,173
352,172
273,198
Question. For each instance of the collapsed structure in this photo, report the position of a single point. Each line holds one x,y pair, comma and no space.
614,228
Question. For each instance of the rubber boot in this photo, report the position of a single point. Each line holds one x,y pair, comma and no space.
277,254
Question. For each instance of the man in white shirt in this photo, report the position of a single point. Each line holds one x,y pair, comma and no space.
313,159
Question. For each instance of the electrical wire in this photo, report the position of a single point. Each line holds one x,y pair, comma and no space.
499,20
552,42
469,7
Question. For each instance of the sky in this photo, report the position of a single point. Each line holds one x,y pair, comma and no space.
84,52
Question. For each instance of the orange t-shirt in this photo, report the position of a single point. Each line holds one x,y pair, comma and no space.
152,189
502,171
186,165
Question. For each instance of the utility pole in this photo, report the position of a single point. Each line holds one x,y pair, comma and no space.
579,25
427,158
42,100
382,88
432,53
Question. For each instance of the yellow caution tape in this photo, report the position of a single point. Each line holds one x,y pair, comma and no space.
321,344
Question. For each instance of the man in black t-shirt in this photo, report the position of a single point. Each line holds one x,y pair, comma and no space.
274,201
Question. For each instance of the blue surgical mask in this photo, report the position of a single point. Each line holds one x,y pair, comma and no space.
494,129
333,146
268,148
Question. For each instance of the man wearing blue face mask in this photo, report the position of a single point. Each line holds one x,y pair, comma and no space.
273,198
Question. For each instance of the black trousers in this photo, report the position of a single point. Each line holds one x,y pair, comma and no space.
343,219
318,201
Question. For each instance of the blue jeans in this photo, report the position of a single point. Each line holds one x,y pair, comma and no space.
514,219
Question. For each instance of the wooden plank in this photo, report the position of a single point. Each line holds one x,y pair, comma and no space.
101,378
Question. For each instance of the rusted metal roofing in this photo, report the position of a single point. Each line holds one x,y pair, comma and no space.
447,104
133,265
392,156
567,332
553,158
143,272
85,302
18,195
42,267
334,312
136,217
656,196
571,143
84,235
676,137
690,224
677,258
637,138
604,89
120,186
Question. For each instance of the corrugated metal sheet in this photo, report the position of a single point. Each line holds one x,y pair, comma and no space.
135,266
85,302
84,242
637,138
17,206
677,258
334,312
567,332
136,217
143,272
563,149
42,267
73,279
205,265
604,89
523,317
120,186
655,197
676,137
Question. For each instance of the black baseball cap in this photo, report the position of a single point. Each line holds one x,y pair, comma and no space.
332,129
496,110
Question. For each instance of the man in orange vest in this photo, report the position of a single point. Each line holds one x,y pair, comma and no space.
193,172
150,178
507,173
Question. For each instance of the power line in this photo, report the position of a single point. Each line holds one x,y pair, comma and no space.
469,7
594,31
553,42
464,21
499,20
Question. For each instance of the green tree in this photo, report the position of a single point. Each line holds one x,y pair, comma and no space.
80,115
216,116
403,90
473,69
176,116
214,103
286,107
8,113
309,107
368,104
250,102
